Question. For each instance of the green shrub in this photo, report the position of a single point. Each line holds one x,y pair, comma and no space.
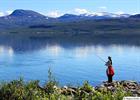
87,87
20,90
49,87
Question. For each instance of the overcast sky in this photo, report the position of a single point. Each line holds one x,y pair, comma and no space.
59,7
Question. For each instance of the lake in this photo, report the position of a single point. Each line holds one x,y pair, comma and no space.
70,64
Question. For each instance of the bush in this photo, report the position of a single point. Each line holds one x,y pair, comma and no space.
20,90
49,87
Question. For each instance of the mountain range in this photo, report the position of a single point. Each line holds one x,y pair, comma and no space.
30,13
20,15
85,27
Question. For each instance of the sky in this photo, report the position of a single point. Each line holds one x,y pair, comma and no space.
59,7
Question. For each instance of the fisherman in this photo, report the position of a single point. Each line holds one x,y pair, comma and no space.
110,71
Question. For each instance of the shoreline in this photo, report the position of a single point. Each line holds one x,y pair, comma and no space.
19,90
127,85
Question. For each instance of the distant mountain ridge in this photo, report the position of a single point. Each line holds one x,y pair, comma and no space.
100,15
29,17
32,14
135,16
26,18
96,28
22,18
26,13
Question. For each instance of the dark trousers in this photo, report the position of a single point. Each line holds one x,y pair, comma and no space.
110,78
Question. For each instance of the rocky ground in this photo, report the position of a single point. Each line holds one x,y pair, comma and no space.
128,86
20,90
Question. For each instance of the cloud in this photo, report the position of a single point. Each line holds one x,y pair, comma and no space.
8,12
5,13
102,8
80,11
120,12
54,14
1,14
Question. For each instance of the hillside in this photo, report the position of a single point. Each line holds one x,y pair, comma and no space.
30,24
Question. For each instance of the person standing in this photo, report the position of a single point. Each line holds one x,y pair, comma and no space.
110,71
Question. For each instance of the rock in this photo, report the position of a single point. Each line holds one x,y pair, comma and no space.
74,88
138,92
68,91
117,83
102,86
128,86
109,87
64,91
71,91
65,87
55,87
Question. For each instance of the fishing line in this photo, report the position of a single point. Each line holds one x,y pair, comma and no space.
117,64
100,58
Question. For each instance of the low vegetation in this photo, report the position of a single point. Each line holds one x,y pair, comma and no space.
20,90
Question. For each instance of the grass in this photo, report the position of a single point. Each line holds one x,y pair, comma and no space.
20,90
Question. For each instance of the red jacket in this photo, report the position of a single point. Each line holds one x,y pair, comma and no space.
110,71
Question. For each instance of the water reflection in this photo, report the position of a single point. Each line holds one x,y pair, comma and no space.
6,50
1,49
71,63
27,44
55,50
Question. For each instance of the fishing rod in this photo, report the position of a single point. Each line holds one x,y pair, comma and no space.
119,64
100,58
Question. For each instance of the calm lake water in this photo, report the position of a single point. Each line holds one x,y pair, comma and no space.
69,64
